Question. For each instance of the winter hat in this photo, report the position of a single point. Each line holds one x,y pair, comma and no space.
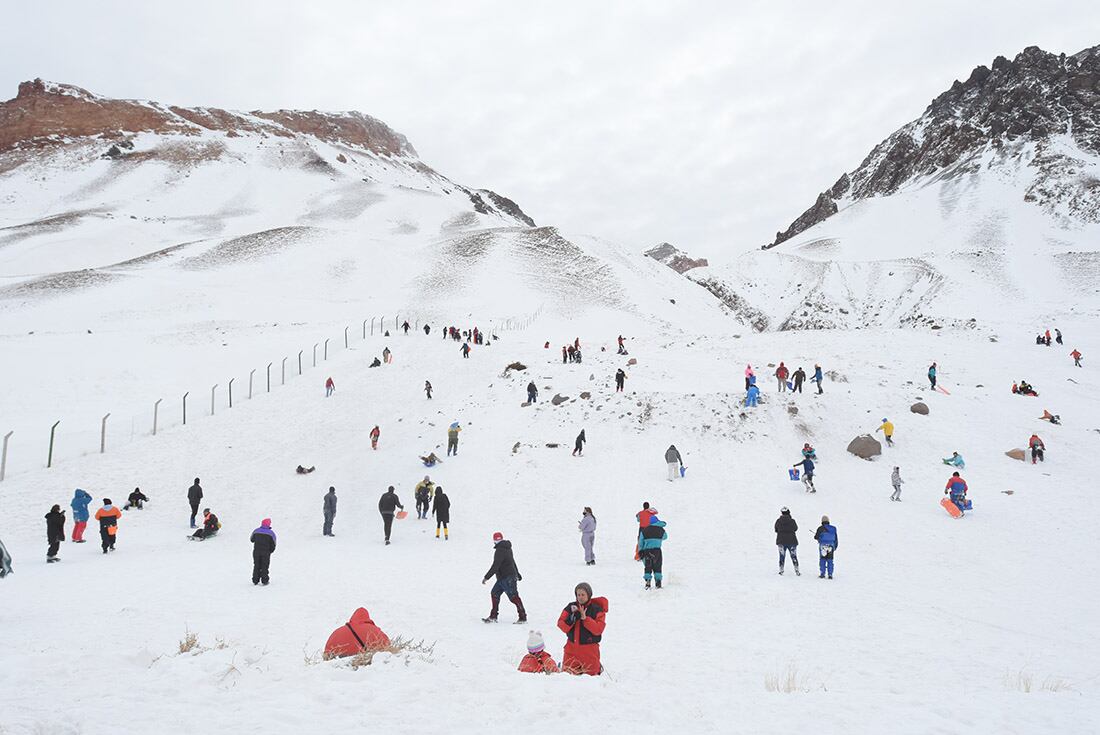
265,523
55,509
785,510
824,519
427,478
498,536
884,421
205,510
106,501
535,644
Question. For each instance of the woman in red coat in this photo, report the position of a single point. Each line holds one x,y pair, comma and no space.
583,623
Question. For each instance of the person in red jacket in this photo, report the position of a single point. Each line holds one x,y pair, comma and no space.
358,634
781,374
330,387
374,434
1037,448
644,516
583,622
1076,355
537,660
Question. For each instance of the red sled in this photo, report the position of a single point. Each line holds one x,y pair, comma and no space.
951,508
402,514
943,390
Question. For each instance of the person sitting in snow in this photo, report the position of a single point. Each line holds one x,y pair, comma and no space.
537,660
1026,389
210,526
137,499
304,470
375,363
956,487
431,460
955,460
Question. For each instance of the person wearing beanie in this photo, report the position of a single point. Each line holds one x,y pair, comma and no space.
507,574
55,532
650,539
583,622
786,539
887,430
587,528
137,499
108,517
263,546
826,538
79,504
387,506
537,660
441,508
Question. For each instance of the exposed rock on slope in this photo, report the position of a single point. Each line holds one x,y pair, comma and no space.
675,258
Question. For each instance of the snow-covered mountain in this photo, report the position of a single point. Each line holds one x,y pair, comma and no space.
991,195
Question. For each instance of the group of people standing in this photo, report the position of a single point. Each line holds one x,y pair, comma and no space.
786,539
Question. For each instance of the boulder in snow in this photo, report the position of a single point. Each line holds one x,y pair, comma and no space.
919,407
1016,454
792,410
515,366
559,399
586,395
632,361
865,446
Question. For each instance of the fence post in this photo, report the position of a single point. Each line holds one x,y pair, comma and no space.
156,410
269,376
364,329
382,324
300,361
4,455
314,354
103,435
395,325
283,379
372,326
345,338
49,459
231,392
250,374
185,407
326,349
212,398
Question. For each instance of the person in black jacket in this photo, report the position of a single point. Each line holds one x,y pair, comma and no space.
441,508
507,574
387,505
137,499
194,495
532,392
578,446
55,532
786,539
263,546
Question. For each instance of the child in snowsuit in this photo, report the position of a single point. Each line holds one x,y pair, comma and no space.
79,504
896,481
752,395
786,539
826,538
108,517
507,574
750,376
210,526
956,487
887,429
1037,448
441,507
537,660
955,460
583,623
587,527
650,539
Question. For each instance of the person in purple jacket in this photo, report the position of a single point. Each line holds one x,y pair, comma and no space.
263,546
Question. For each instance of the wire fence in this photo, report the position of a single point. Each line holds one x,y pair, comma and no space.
186,407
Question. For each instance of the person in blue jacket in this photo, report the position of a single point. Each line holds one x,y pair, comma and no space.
818,378
807,465
649,547
826,539
80,514
752,395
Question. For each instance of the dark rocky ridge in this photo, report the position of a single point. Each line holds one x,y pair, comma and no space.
1033,97
675,258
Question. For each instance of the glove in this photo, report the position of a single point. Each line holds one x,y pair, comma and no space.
519,577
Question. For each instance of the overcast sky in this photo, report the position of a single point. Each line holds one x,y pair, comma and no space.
709,124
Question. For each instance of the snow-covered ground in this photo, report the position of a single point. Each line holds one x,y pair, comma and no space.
931,624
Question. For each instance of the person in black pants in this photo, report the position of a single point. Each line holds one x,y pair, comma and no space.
387,505
194,495
55,532
441,507
263,546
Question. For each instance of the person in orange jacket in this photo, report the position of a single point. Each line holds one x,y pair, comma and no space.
1076,355
537,660
374,434
1037,448
108,517
358,634
583,622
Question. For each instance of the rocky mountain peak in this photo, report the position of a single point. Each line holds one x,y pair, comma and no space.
1033,97
674,258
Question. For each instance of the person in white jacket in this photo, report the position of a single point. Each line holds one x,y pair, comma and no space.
587,528
896,481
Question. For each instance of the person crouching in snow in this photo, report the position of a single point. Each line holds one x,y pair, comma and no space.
583,623
537,660
358,634
210,526
752,395
137,499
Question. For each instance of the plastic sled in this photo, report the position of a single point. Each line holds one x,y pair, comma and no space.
790,385
793,475
402,514
951,508
683,470
943,390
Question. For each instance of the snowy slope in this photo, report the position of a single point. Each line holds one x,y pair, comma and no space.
931,624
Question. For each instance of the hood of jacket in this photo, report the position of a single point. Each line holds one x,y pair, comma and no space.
361,616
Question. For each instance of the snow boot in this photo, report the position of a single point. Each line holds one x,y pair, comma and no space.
821,576
780,571
647,584
797,573
490,619
658,584
51,559
437,533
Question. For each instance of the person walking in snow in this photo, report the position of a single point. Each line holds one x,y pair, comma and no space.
194,495
819,378
932,375
427,330
1058,335
807,465
532,392
622,345
674,462
406,326
466,350
537,660
887,430
387,356
583,622
210,526
781,374
507,578
1037,448
329,510
108,517
375,433
587,527
330,387
387,507
750,376
826,538
423,495
620,378
786,539
79,504
55,532
650,538
428,385
578,445
896,481
752,395
798,376
452,439
1076,355
564,354
263,546
441,509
